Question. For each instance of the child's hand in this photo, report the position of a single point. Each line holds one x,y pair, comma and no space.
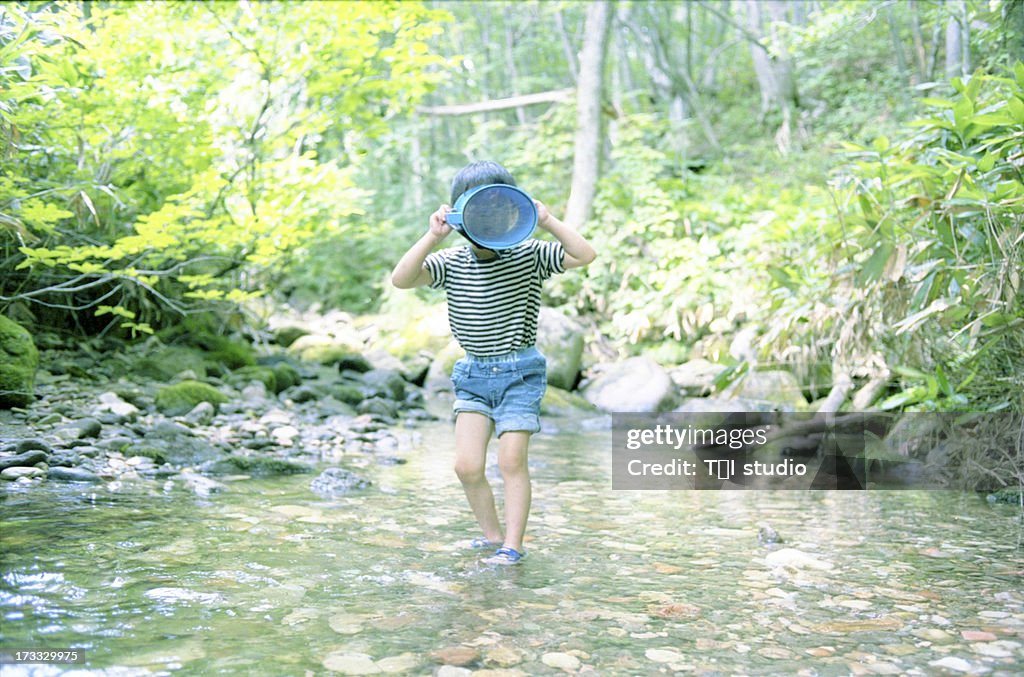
543,215
438,227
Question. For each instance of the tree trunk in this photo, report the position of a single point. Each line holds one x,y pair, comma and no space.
570,53
956,63
510,62
920,55
586,158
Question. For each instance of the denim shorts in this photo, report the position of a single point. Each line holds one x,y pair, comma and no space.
507,388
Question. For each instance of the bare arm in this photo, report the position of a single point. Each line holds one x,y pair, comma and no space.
410,272
578,251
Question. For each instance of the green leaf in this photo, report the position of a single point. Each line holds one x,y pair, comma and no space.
1016,109
1018,70
875,265
963,113
986,163
940,103
974,85
881,144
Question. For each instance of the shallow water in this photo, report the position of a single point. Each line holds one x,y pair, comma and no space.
268,578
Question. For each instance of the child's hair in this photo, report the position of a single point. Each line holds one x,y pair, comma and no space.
479,174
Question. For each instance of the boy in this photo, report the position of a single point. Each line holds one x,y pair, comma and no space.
493,307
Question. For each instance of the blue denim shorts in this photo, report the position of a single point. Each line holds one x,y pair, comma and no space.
507,388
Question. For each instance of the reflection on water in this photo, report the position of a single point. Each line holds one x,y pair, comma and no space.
268,578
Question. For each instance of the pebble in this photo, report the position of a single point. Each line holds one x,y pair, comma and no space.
88,428
350,663
72,475
201,414
952,663
16,473
32,443
25,459
562,661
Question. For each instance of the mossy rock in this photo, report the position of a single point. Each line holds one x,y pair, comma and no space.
169,361
18,361
286,376
156,455
349,394
425,330
181,398
264,375
327,350
558,402
285,336
257,466
232,354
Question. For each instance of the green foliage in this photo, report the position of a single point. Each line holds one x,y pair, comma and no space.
159,174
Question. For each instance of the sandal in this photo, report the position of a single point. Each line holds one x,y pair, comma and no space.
505,556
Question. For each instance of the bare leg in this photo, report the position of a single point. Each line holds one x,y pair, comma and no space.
512,452
472,433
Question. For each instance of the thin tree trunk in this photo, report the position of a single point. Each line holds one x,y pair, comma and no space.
954,55
920,55
570,52
897,45
510,63
587,155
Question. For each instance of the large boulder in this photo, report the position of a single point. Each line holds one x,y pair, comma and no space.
696,377
326,349
638,384
560,338
18,361
440,373
777,387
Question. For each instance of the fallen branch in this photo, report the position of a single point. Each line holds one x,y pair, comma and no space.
499,104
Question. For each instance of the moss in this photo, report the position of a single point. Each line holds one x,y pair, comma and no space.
348,394
181,398
156,455
18,361
232,354
16,386
264,375
558,402
286,376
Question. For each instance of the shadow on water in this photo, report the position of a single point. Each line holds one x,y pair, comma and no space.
269,578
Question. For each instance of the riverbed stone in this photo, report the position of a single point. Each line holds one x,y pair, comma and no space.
560,660
181,398
560,339
350,663
30,443
88,428
111,402
774,386
16,473
18,361
638,384
337,482
696,377
23,460
201,414
63,474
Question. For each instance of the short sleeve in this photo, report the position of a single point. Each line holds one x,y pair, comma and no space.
550,256
435,264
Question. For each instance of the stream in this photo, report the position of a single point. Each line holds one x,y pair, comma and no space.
269,578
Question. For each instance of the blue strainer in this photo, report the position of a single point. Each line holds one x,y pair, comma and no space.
494,216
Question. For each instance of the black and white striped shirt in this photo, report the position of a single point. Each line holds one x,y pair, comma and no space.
493,304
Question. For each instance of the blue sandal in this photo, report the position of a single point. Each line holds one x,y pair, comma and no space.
505,556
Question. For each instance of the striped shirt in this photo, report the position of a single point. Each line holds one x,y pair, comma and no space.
493,304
